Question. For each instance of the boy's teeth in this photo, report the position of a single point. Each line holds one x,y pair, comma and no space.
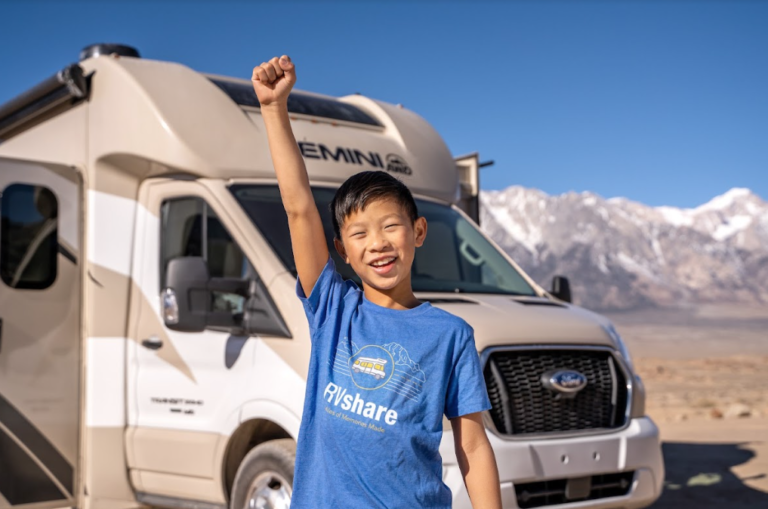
382,262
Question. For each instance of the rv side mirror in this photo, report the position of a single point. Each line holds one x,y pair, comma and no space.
561,288
194,301
186,298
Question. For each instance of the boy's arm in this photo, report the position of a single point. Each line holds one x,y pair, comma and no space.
272,82
476,461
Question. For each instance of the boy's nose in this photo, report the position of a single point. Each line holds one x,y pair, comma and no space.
378,243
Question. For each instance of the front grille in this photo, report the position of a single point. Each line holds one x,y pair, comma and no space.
522,405
557,491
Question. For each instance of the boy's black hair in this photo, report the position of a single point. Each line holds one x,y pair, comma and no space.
359,189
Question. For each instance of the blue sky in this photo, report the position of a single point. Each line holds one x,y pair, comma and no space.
663,102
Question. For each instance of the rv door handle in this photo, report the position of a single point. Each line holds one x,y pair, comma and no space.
152,342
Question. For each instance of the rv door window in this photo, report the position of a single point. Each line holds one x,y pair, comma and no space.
28,236
191,228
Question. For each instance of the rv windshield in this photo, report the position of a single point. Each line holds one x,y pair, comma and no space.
454,258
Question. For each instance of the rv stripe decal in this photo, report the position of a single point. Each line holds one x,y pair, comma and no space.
26,433
22,481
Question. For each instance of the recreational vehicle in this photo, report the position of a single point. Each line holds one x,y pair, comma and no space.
370,366
152,348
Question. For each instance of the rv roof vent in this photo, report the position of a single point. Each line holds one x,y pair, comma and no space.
97,50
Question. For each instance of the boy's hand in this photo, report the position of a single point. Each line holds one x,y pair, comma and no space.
274,80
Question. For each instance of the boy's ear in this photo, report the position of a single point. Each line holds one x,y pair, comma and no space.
420,230
339,245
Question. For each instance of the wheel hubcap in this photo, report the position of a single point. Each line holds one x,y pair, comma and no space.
269,490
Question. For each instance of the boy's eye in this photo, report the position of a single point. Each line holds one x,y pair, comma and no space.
391,226
357,234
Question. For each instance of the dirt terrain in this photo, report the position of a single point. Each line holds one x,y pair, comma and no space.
706,375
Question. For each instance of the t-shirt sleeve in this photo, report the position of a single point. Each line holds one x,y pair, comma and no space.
326,297
466,392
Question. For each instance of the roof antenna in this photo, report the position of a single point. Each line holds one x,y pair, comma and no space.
105,49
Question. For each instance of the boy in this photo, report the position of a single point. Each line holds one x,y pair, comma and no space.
384,367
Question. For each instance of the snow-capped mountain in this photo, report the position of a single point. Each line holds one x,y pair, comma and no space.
620,254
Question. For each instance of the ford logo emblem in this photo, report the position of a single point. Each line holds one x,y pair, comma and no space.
564,381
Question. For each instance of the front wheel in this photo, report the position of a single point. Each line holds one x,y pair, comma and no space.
265,477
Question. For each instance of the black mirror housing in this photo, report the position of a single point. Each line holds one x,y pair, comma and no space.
188,298
185,298
561,288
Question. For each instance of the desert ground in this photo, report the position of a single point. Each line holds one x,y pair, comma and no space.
706,374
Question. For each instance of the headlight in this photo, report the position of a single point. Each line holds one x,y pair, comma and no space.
620,345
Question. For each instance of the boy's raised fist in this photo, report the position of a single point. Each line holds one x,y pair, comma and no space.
274,80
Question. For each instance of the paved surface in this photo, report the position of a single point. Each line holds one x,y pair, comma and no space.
718,464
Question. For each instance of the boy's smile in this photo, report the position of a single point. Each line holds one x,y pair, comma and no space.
380,242
383,265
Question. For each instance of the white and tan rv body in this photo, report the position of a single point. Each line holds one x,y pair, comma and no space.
103,405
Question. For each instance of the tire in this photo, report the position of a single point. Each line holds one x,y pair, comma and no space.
265,476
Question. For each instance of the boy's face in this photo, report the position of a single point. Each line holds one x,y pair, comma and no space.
380,243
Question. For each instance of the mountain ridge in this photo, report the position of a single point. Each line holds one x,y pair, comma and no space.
621,254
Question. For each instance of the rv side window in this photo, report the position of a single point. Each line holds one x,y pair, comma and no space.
28,236
190,227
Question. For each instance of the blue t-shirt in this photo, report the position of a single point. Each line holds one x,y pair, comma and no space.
379,382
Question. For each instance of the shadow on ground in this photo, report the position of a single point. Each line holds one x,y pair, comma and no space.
700,476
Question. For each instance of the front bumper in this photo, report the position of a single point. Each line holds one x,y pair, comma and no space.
635,448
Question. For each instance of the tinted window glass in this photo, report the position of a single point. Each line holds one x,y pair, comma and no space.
28,236
454,258
191,228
